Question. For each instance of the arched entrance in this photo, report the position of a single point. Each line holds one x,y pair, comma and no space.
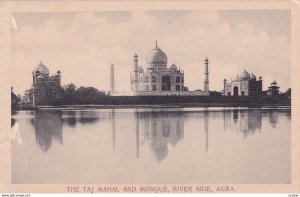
166,83
235,91
153,87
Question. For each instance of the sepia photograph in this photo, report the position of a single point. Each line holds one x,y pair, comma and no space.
158,97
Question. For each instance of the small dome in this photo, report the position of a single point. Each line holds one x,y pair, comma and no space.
274,83
252,76
245,75
41,69
141,69
173,67
236,78
157,58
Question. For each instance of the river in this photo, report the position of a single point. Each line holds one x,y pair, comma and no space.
152,145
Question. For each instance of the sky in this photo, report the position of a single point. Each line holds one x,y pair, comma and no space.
83,45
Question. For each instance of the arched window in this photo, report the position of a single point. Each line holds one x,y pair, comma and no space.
235,91
177,87
153,87
182,81
146,80
146,87
166,83
177,79
153,79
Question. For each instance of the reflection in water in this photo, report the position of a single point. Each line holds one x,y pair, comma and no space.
245,121
235,116
206,117
88,117
273,118
173,145
48,126
137,134
70,118
163,128
160,130
113,121
249,120
13,122
14,134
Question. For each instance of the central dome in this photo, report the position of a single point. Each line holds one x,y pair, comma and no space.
157,58
245,75
41,69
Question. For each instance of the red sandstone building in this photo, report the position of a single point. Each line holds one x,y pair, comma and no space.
46,90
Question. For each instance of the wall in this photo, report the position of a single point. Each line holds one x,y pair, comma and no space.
169,93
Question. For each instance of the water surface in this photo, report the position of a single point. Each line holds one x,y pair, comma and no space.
158,145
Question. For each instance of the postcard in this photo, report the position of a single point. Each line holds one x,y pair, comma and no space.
149,96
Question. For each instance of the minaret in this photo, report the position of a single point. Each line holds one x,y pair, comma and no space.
136,73
225,81
112,79
58,74
206,81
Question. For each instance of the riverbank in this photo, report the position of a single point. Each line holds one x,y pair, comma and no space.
108,102
174,105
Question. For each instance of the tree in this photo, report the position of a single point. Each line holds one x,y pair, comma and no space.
215,93
88,95
69,93
14,101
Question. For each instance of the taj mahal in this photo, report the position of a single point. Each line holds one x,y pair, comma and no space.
157,79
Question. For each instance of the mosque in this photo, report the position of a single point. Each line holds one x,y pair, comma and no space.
243,85
157,79
46,90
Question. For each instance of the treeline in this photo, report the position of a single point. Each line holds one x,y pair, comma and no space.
71,95
14,101
89,95
79,96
